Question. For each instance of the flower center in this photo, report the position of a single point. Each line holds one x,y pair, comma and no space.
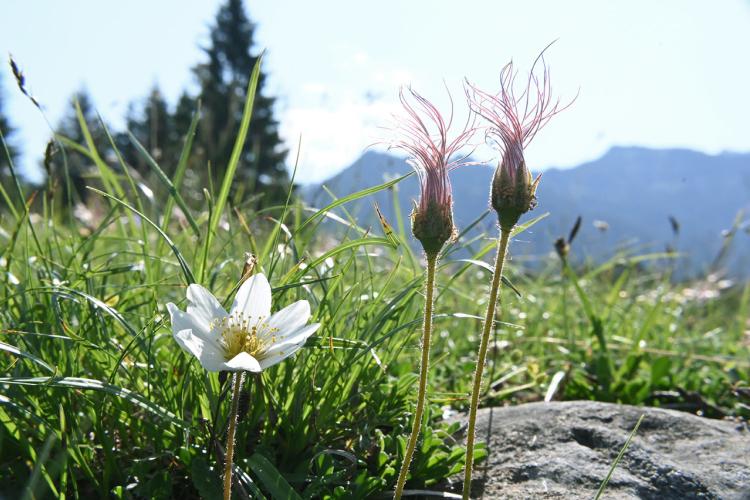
245,334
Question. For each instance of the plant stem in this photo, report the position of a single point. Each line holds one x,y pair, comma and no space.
569,333
416,426
237,378
502,247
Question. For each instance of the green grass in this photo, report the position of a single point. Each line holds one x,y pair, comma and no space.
97,400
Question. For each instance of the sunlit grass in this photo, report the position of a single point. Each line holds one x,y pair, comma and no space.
97,399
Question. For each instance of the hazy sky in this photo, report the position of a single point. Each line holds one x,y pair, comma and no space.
661,74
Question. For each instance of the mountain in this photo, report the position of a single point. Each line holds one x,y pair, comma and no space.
626,198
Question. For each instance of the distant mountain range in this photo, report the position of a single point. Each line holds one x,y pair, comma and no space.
626,198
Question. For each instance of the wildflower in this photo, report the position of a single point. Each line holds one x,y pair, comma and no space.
248,338
513,123
430,155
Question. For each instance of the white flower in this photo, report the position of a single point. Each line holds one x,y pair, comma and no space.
249,338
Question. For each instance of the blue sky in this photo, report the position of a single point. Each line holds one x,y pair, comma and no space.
660,74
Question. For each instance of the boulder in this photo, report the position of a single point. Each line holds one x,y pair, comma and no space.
565,450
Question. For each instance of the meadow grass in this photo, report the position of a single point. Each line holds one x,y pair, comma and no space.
98,400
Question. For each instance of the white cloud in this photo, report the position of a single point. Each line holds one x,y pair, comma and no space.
361,57
333,136
339,121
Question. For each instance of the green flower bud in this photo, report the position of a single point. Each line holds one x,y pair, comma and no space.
513,189
432,225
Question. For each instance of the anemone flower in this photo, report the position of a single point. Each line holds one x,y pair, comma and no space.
423,135
513,121
247,338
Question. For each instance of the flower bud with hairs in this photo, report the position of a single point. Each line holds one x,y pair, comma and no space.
513,121
423,135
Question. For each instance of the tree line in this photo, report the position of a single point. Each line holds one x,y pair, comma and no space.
160,129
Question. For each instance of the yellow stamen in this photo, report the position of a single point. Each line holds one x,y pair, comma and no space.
242,334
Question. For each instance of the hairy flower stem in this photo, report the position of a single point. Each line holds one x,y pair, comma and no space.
417,425
237,378
502,247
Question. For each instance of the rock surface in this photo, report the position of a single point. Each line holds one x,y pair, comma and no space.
565,450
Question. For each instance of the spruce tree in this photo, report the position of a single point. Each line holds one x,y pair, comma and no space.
223,79
70,173
183,116
154,128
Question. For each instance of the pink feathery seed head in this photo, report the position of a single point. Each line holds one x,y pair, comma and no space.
512,122
423,135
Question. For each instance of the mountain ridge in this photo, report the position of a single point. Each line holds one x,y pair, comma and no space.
634,192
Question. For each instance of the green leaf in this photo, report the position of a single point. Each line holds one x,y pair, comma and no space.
271,478
660,369
97,385
205,480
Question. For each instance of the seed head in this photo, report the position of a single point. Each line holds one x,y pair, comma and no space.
423,135
513,121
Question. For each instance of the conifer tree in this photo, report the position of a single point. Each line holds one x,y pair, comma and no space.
154,128
183,116
71,172
223,80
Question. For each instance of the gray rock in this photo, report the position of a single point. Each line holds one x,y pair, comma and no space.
564,450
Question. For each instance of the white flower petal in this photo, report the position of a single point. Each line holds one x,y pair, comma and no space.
295,336
211,358
291,317
203,305
243,361
185,321
279,356
294,339
253,299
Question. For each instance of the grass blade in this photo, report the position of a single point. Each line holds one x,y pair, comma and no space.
182,164
97,385
619,457
271,478
165,180
234,159
18,352
188,274
108,177
351,197
346,246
